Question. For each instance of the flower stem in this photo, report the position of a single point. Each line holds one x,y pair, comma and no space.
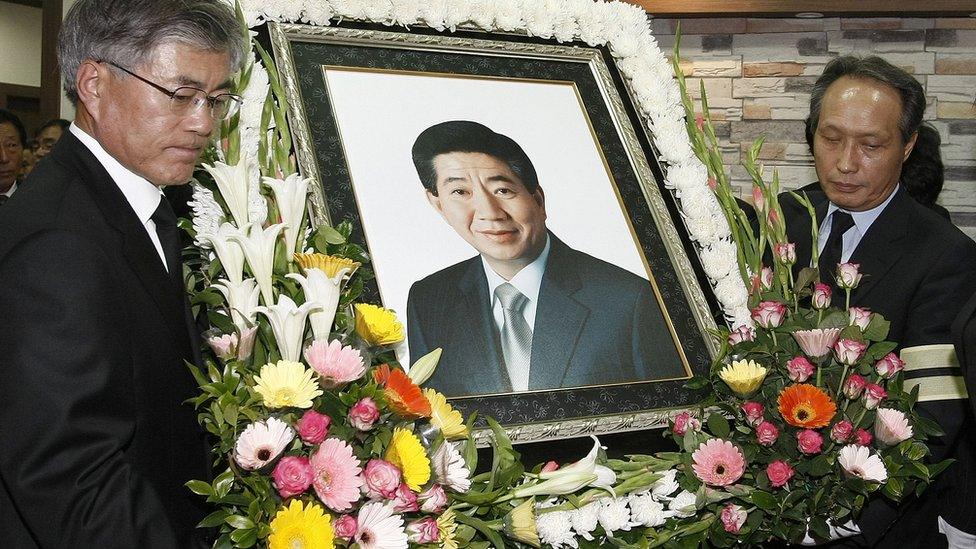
843,376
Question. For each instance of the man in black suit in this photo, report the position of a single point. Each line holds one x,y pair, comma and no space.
94,326
528,312
918,268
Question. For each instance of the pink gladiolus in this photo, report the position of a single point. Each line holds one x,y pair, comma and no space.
809,441
683,422
733,517
854,386
337,475
313,427
860,317
841,431
364,414
405,500
712,183
549,467
699,122
772,219
742,333
758,200
873,395
753,411
382,479
423,531
779,473
246,345
821,296
889,366
718,462
769,314
848,351
335,364
848,275
799,369
433,499
292,475
862,437
345,527
766,433
785,253
891,427
766,278
818,342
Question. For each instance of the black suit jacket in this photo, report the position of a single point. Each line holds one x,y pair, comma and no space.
918,268
595,324
97,440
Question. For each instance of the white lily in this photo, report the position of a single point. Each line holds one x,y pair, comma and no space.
259,248
288,324
233,182
290,194
604,477
229,251
242,300
324,291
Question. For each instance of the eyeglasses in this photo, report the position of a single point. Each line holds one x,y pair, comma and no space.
187,99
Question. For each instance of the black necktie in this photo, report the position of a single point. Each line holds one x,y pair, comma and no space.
834,249
169,236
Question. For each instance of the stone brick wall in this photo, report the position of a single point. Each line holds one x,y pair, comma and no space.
758,74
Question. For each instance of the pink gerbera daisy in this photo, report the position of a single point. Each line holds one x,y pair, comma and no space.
337,474
335,364
718,462
379,528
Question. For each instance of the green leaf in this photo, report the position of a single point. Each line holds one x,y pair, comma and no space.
200,488
718,425
244,538
764,500
330,235
697,382
240,522
483,527
821,465
213,519
819,528
877,329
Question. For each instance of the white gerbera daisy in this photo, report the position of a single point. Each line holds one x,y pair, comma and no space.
262,442
859,462
378,528
450,469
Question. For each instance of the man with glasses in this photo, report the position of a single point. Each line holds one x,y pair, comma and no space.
47,136
94,326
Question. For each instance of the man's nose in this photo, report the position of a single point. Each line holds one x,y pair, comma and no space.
201,121
486,206
847,163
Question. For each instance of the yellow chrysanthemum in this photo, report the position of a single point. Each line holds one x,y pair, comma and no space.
444,416
286,384
329,264
377,326
298,527
447,526
743,377
408,454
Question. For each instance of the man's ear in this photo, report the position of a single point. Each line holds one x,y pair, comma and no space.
909,146
90,81
435,201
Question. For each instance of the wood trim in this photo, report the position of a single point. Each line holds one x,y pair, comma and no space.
783,8
50,100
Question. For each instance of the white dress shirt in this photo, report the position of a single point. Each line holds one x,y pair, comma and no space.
862,222
527,281
9,192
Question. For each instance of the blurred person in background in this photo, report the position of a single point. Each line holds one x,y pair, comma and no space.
13,140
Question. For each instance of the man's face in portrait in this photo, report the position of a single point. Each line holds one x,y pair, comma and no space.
483,200
857,148
137,123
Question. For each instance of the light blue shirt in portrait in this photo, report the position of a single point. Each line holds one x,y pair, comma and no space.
862,222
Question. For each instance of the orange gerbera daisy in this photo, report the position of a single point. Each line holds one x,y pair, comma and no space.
806,406
402,394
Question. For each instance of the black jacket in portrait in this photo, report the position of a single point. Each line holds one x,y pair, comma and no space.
97,439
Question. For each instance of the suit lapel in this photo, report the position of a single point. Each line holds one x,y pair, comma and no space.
480,340
879,249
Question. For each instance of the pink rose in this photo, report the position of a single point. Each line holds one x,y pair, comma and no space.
799,369
889,366
860,317
758,200
821,296
862,437
854,386
382,479
848,275
809,441
733,517
423,531
313,427
779,473
404,500
766,433
742,333
433,499
841,431
683,422
873,395
785,253
753,411
292,475
769,314
345,527
848,351
364,414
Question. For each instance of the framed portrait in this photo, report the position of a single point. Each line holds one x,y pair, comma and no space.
515,217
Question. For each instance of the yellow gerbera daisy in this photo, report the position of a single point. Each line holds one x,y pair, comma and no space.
298,527
447,526
331,265
743,377
377,326
444,416
286,384
406,452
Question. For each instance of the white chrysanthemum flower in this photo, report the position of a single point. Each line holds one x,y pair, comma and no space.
720,259
347,9
254,96
450,469
565,27
432,12
406,12
282,10
740,315
859,462
585,519
509,15
207,215
539,19
731,292
378,11
556,529
698,202
262,442
318,12
614,515
594,22
672,141
683,505
378,528
645,511
482,13
253,13
665,486
686,175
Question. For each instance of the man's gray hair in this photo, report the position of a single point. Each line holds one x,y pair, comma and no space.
127,32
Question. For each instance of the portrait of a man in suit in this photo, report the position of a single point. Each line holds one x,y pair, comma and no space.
528,312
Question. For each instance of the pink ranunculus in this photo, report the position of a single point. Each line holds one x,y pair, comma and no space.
769,314
423,531
854,386
848,275
891,427
766,433
779,473
873,395
733,517
841,431
246,345
821,296
754,412
785,253
433,500
809,441
817,342
766,278
405,500
549,467
848,351
292,475
364,414
683,422
224,346
382,479
862,437
345,527
799,369
313,427
742,333
758,200
860,317
889,366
